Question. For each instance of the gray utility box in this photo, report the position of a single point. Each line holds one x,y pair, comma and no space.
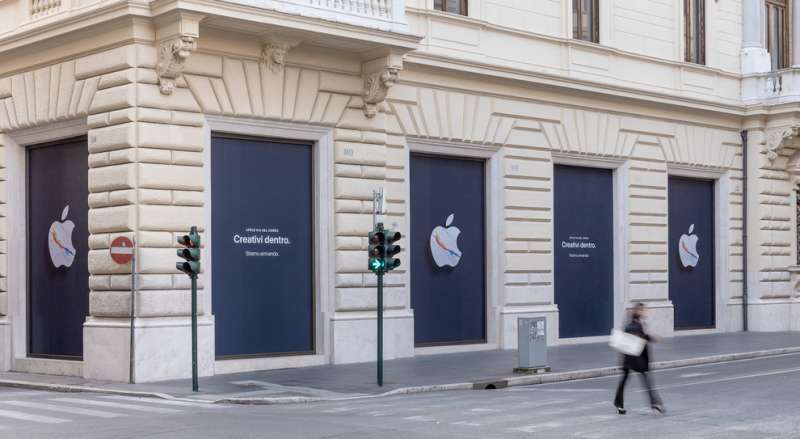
532,344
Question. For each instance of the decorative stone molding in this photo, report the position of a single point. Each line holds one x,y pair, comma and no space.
273,54
793,168
776,138
376,86
275,50
379,74
172,55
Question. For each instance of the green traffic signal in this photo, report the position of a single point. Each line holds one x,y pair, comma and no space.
392,249
376,250
376,264
191,268
191,254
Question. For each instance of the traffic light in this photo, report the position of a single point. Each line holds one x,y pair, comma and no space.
390,262
376,250
190,254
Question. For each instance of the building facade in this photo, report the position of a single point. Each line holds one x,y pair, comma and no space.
550,158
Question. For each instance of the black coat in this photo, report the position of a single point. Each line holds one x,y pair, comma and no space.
642,362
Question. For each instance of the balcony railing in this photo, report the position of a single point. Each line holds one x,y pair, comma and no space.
386,15
41,8
770,88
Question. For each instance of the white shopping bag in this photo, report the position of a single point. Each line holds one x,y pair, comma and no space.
625,343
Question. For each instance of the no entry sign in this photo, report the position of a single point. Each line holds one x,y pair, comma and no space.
122,250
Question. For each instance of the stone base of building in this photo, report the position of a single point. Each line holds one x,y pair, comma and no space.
794,321
354,336
163,348
508,323
48,366
772,316
733,321
5,345
661,319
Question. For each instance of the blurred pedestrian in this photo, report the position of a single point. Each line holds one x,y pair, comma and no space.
640,363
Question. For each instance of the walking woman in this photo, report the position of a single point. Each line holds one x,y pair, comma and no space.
639,364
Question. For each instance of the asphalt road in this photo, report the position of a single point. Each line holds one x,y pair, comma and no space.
745,399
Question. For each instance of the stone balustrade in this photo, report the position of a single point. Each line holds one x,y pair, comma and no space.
782,86
41,8
385,15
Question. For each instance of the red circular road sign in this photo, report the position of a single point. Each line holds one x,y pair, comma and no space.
122,250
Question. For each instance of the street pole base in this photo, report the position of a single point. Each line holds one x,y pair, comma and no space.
531,370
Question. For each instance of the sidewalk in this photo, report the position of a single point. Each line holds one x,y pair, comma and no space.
428,372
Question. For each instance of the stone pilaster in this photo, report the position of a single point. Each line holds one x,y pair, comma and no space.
366,159
755,58
769,217
146,183
5,328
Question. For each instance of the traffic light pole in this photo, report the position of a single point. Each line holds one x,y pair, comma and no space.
132,375
195,386
380,329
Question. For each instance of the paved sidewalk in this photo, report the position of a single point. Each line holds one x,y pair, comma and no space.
432,372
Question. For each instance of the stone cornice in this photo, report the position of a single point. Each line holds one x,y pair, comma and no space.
233,16
544,79
33,34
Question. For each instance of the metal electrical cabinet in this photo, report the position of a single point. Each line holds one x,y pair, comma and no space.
532,344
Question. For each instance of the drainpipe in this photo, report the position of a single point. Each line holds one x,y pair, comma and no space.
744,230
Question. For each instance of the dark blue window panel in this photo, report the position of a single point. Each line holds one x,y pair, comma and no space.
449,302
58,274
584,250
691,275
263,289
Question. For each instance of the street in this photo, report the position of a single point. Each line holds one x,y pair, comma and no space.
743,399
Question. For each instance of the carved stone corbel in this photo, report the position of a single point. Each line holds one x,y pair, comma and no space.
172,55
776,139
275,50
376,86
176,40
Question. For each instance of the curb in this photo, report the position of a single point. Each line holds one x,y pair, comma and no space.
71,388
481,384
614,370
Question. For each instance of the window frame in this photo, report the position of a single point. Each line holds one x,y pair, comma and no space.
463,10
691,20
784,57
594,18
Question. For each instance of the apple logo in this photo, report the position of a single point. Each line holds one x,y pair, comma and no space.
59,240
444,244
687,249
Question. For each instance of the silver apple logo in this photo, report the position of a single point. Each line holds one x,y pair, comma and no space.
687,249
59,241
444,244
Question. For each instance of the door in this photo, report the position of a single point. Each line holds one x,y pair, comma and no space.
58,247
263,247
691,252
584,250
448,254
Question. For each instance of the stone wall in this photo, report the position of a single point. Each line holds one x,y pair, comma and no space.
532,136
147,181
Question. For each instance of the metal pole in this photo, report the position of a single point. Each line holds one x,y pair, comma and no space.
380,329
374,208
194,334
131,378
745,298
